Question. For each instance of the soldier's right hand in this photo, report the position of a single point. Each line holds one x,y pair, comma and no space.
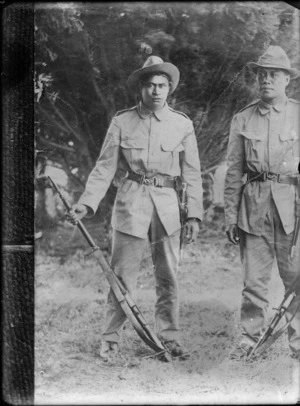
78,212
233,234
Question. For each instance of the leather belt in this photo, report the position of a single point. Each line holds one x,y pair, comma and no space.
156,180
275,177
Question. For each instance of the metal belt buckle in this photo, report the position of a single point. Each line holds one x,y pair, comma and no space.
147,181
273,176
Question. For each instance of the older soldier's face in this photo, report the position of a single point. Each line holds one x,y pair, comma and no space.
155,92
272,84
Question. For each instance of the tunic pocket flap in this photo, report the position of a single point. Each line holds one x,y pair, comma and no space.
289,135
252,135
134,143
171,146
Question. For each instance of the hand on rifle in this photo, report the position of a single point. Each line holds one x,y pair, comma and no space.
78,212
192,230
233,234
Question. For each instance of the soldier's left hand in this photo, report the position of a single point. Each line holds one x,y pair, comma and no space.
192,230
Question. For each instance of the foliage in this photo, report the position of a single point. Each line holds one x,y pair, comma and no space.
86,51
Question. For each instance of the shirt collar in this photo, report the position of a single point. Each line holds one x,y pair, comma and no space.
160,114
265,108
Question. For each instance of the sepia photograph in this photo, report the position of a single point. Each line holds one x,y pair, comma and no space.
166,203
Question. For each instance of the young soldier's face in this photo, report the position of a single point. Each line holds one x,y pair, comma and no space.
272,84
155,92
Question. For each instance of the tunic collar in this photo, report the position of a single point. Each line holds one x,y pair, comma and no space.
265,108
160,114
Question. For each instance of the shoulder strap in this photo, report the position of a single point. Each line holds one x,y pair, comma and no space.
179,112
294,101
118,113
249,105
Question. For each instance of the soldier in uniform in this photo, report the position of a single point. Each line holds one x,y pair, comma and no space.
146,149
260,192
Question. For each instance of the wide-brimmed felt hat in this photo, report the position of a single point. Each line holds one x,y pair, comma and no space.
152,65
275,57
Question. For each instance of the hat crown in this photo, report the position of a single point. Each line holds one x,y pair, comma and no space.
152,60
152,65
275,56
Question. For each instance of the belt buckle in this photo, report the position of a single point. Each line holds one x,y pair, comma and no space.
151,181
273,176
146,181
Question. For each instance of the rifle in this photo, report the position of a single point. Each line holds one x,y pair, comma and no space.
126,302
297,224
181,188
269,336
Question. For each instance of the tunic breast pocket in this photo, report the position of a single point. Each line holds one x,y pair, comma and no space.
170,155
290,149
134,149
254,146
171,147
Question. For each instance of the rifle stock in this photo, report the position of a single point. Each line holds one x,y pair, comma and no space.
126,302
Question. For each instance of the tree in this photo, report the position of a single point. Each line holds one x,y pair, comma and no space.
86,51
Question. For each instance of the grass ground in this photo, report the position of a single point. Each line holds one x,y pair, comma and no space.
70,310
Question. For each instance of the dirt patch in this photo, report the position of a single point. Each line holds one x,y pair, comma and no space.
70,310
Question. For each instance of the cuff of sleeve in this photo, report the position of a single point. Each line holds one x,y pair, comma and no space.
194,218
230,220
91,211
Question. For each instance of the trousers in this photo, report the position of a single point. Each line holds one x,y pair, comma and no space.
127,254
258,254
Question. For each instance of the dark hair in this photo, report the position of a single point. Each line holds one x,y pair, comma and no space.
146,76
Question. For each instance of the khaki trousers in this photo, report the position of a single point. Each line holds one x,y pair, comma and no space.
258,254
127,254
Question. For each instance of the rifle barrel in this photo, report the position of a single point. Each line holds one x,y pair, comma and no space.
126,302
284,305
68,206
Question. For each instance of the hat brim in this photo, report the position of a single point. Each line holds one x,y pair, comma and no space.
295,73
166,67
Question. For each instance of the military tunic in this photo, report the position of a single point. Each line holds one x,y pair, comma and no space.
147,143
264,138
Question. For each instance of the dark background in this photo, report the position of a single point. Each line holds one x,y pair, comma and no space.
17,276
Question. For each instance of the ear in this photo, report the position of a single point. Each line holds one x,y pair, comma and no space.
288,79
